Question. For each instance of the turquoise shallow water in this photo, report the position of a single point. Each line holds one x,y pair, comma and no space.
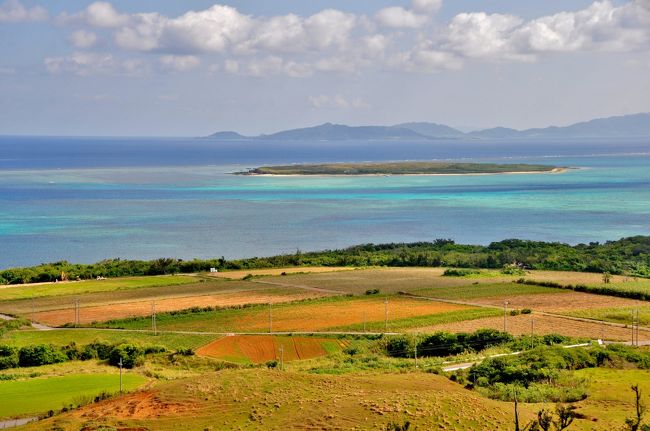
85,214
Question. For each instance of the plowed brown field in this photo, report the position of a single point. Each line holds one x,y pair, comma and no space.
261,348
564,301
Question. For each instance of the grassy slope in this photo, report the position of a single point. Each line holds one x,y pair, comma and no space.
261,399
34,396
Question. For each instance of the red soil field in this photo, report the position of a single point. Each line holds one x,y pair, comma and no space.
261,348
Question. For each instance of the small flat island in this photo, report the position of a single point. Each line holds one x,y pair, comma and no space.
403,168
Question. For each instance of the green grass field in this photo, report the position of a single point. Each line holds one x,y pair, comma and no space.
35,396
91,286
617,315
62,337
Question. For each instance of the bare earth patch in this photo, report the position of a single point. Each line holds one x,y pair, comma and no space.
560,302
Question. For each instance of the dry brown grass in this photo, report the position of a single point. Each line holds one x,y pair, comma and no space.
560,302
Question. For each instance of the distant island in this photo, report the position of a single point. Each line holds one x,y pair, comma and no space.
627,126
402,168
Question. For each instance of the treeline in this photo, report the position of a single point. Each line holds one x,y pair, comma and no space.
629,256
129,355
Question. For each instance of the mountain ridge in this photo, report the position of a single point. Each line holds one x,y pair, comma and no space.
633,125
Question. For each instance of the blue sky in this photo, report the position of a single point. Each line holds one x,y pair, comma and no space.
187,68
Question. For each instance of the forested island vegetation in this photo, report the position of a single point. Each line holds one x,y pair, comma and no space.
629,256
401,168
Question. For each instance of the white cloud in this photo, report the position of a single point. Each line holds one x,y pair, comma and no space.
7,70
333,41
91,63
14,11
179,63
398,17
83,39
426,6
337,102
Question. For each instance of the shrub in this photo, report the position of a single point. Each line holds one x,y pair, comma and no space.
185,352
372,291
42,354
130,354
458,272
148,350
8,357
272,364
96,350
526,311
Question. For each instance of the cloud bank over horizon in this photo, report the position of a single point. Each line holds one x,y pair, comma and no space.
409,39
405,39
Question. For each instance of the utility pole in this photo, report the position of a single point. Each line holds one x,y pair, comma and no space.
33,308
76,312
633,317
154,328
364,320
270,319
386,315
532,333
120,364
282,357
415,346
505,316
602,330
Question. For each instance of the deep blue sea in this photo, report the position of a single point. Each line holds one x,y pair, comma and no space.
86,199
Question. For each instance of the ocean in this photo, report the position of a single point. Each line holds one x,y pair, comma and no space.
88,199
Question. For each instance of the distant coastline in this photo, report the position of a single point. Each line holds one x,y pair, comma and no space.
400,168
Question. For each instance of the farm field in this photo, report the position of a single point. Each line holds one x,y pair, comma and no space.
63,337
261,348
621,315
100,313
317,315
39,290
539,325
261,399
239,274
38,395
393,280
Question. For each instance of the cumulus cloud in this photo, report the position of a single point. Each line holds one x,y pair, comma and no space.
333,41
398,17
337,102
14,11
426,6
83,39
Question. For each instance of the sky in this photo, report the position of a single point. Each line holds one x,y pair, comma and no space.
194,67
